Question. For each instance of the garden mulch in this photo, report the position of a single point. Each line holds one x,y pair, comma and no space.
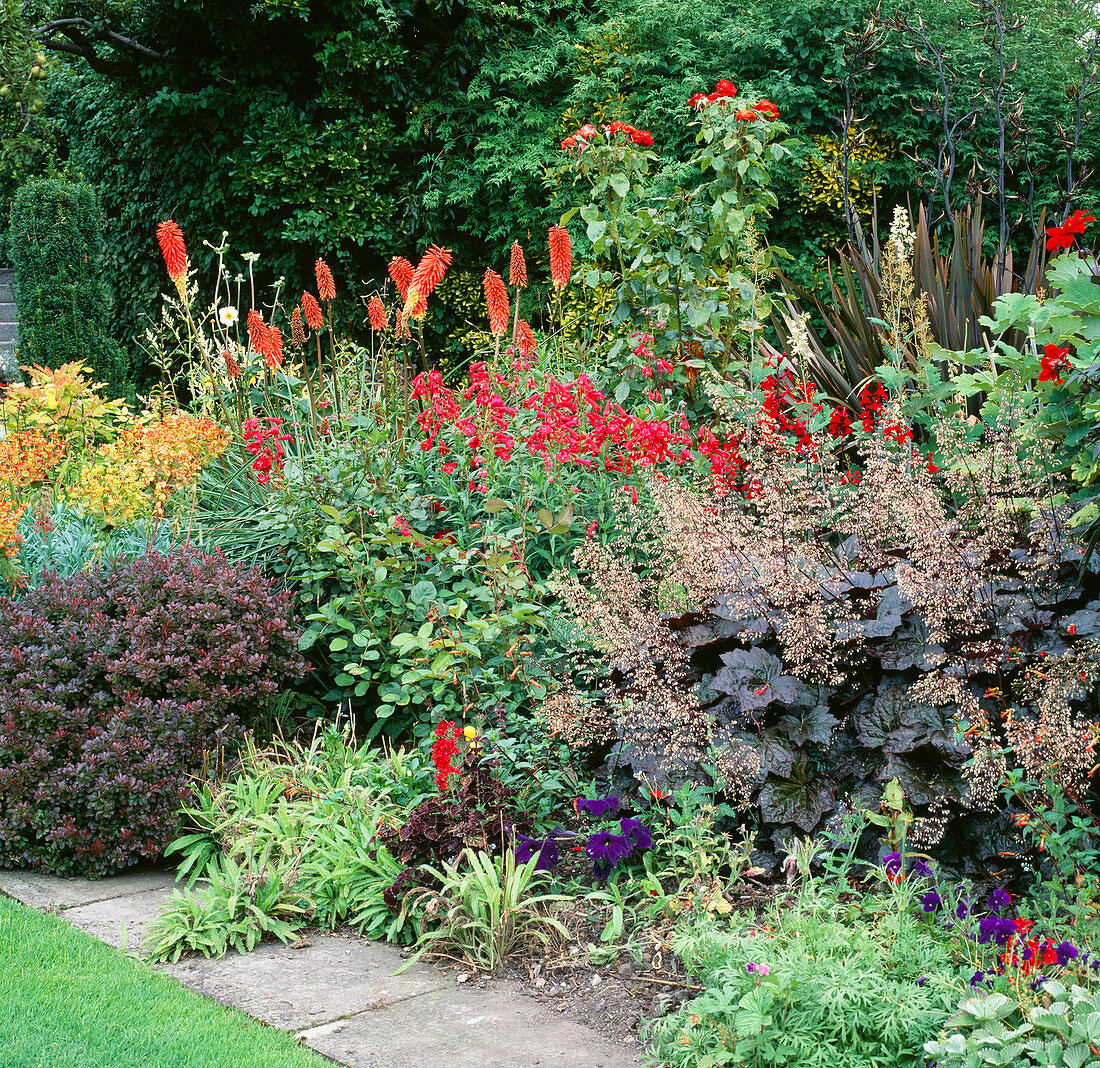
337,992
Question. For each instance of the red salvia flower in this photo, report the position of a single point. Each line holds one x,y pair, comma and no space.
312,311
401,272
326,287
517,269
496,297
429,273
376,313
170,238
561,256
297,332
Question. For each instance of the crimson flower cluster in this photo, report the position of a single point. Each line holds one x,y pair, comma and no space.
265,443
724,93
567,422
444,749
588,133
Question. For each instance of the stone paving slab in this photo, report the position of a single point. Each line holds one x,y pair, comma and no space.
55,892
338,993
293,989
463,1028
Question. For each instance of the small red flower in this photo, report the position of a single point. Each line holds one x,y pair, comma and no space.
1052,363
1062,236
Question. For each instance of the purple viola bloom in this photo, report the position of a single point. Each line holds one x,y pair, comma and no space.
995,929
977,978
637,832
922,980
547,850
921,869
999,899
601,806
931,901
962,909
606,850
892,863
1066,952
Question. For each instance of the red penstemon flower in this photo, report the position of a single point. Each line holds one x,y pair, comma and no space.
1053,361
496,298
326,287
517,267
172,248
312,311
1063,236
376,313
561,256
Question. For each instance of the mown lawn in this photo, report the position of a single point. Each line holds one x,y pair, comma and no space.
69,1001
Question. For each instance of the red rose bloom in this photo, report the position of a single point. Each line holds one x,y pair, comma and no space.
699,100
767,109
725,88
641,137
746,115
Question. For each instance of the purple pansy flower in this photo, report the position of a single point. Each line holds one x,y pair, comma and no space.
1066,952
999,899
931,901
606,850
892,863
921,869
977,978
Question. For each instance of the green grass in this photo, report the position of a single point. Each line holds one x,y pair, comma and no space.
69,1001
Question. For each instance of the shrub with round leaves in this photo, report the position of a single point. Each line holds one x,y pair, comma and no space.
115,686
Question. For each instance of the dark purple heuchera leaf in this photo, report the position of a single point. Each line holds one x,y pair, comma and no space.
115,687
597,809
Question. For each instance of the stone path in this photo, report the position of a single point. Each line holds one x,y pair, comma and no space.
338,994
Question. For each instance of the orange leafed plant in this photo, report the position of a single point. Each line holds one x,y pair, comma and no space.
28,456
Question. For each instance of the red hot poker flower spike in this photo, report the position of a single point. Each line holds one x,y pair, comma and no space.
401,273
312,311
170,238
326,287
297,334
496,297
517,268
561,256
376,313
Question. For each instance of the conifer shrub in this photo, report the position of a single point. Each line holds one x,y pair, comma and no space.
56,243
116,685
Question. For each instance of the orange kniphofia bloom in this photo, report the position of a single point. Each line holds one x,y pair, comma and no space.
401,272
297,331
561,256
312,311
273,353
257,331
376,313
517,269
525,338
496,297
170,238
429,273
326,287
232,368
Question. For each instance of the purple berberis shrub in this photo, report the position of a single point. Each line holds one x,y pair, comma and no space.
116,686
